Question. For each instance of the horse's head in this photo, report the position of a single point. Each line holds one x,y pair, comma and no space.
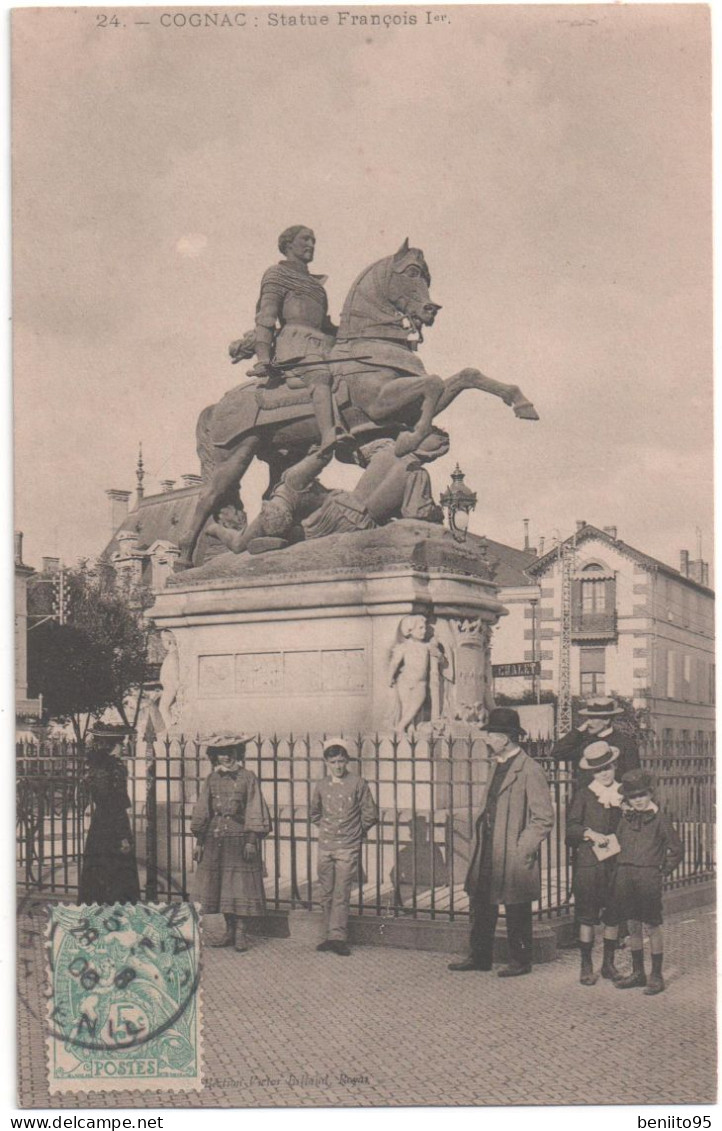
389,297
409,283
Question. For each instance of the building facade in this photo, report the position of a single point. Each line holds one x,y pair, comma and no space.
639,628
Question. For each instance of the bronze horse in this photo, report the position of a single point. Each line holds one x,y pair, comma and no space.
381,389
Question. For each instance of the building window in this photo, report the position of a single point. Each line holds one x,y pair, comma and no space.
594,603
671,665
667,740
685,742
592,667
687,677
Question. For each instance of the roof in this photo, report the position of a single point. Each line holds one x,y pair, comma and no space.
155,517
512,565
588,532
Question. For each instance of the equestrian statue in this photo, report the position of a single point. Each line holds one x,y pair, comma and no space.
318,388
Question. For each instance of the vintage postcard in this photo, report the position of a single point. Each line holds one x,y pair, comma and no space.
364,606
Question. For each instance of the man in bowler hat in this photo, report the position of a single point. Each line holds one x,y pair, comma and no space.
598,717
516,816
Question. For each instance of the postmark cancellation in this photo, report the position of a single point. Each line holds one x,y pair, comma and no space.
124,1001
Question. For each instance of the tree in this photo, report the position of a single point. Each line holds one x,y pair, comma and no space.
95,665
71,672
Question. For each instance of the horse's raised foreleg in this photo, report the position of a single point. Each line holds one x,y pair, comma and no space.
224,476
474,379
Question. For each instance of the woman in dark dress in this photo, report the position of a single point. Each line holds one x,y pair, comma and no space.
229,821
110,870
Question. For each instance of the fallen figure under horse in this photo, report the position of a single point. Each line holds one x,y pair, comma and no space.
380,389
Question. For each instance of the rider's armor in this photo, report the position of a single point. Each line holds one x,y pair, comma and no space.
296,300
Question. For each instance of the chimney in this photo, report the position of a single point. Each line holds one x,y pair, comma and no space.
611,531
18,547
526,534
684,562
581,523
191,480
541,547
118,508
167,485
51,565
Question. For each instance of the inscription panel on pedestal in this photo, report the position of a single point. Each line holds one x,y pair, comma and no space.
323,671
215,676
260,673
344,669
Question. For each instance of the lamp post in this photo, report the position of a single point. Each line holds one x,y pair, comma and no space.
458,502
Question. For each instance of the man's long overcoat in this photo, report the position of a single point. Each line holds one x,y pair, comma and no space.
524,817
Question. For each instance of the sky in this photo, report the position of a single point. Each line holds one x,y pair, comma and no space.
553,162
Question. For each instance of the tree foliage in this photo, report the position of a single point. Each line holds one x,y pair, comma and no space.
93,660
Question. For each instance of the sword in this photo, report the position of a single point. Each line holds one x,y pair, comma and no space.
279,367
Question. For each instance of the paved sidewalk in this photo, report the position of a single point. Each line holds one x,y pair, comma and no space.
285,1026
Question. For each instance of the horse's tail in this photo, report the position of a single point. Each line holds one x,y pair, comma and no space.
204,445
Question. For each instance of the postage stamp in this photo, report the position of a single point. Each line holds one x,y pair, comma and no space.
124,1003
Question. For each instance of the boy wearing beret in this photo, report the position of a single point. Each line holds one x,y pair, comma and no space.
649,850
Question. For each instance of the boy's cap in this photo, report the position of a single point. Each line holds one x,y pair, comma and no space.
636,782
598,756
334,744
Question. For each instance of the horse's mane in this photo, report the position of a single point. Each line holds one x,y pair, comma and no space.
367,305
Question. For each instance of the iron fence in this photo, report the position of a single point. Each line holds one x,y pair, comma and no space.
413,862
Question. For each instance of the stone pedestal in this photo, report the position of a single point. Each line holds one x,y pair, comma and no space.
299,640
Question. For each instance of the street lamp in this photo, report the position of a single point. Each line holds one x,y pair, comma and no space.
458,502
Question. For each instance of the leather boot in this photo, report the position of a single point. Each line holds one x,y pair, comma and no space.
609,970
637,977
227,938
587,977
655,982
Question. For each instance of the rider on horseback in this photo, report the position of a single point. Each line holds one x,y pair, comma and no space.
295,300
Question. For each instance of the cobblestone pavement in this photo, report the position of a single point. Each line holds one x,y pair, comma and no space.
286,1026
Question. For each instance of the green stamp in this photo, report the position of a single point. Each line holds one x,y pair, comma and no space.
124,998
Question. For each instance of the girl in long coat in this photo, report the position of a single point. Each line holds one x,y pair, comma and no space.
592,818
110,872
229,821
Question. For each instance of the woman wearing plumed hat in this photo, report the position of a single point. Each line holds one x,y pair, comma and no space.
110,872
229,821
592,819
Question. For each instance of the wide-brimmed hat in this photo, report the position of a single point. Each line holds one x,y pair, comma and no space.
598,756
601,709
504,720
637,782
225,743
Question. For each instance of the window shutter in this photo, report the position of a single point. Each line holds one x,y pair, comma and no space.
576,598
610,596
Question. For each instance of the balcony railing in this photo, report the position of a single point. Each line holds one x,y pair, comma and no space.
594,626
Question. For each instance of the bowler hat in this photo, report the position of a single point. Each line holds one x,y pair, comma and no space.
636,782
504,720
598,756
601,709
